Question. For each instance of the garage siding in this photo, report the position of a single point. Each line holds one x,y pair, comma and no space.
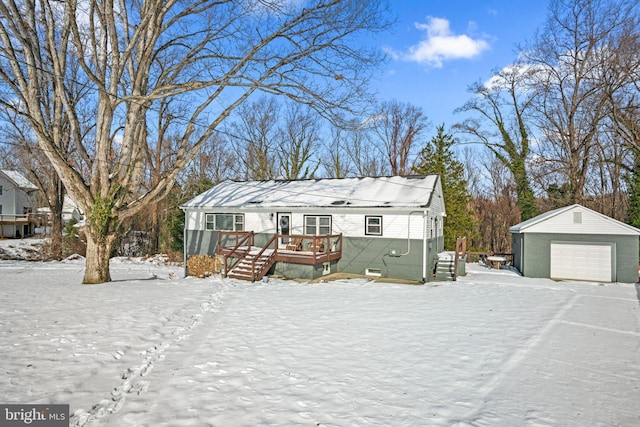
537,247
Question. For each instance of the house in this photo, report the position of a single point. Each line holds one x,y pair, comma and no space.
17,201
377,226
70,210
576,243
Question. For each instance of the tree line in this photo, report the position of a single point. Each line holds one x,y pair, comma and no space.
110,105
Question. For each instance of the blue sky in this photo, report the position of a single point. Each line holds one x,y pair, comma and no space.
438,48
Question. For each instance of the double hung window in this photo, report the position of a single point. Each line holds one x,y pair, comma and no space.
224,222
317,225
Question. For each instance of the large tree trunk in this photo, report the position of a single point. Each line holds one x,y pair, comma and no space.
56,232
154,228
97,261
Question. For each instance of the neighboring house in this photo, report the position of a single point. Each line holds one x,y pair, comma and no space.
576,243
383,226
17,201
70,211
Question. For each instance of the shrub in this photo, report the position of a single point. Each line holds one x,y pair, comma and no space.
203,265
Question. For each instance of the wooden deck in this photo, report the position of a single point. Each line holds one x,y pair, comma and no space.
235,247
284,255
21,221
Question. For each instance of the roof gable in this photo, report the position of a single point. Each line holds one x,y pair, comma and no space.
19,180
395,191
574,219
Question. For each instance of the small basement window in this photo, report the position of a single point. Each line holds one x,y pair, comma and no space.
373,225
373,272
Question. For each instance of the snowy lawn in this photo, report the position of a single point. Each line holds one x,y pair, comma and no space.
154,349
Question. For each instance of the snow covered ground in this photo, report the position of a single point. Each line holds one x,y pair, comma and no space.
155,349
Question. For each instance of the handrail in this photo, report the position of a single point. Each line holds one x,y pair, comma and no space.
248,235
259,254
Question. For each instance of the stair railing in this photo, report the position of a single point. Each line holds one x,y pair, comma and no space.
247,240
256,275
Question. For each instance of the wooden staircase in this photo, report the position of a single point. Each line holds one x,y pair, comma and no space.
253,266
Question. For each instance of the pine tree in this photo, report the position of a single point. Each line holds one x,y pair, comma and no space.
633,189
438,158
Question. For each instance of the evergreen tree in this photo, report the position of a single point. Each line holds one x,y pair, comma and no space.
633,189
438,158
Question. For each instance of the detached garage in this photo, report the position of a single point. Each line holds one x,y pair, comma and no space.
576,243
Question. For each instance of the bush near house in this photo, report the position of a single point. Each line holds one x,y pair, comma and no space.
203,265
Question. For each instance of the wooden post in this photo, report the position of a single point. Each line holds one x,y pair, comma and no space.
461,249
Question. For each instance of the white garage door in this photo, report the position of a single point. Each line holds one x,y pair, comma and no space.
583,261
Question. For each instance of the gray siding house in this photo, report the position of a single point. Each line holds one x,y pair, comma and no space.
17,201
377,226
576,243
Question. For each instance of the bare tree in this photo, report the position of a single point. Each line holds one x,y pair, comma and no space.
495,207
365,157
210,56
254,136
624,113
7,159
335,159
299,140
398,128
504,104
579,37
29,157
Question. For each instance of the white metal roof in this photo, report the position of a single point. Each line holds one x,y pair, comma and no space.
562,221
396,191
19,180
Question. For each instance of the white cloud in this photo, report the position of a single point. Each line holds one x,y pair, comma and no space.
441,44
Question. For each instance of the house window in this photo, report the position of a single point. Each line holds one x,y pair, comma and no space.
373,225
224,222
317,225
0,190
0,209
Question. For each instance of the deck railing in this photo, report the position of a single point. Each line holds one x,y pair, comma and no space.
297,249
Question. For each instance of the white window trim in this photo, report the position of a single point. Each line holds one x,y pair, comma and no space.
317,225
367,230
210,222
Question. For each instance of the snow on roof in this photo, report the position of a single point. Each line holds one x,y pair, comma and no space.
396,191
535,223
19,180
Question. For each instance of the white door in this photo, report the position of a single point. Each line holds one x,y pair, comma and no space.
583,261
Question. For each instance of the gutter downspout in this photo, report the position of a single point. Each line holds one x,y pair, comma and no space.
185,244
425,217
425,224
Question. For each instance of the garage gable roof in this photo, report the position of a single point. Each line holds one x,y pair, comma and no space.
388,192
574,219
